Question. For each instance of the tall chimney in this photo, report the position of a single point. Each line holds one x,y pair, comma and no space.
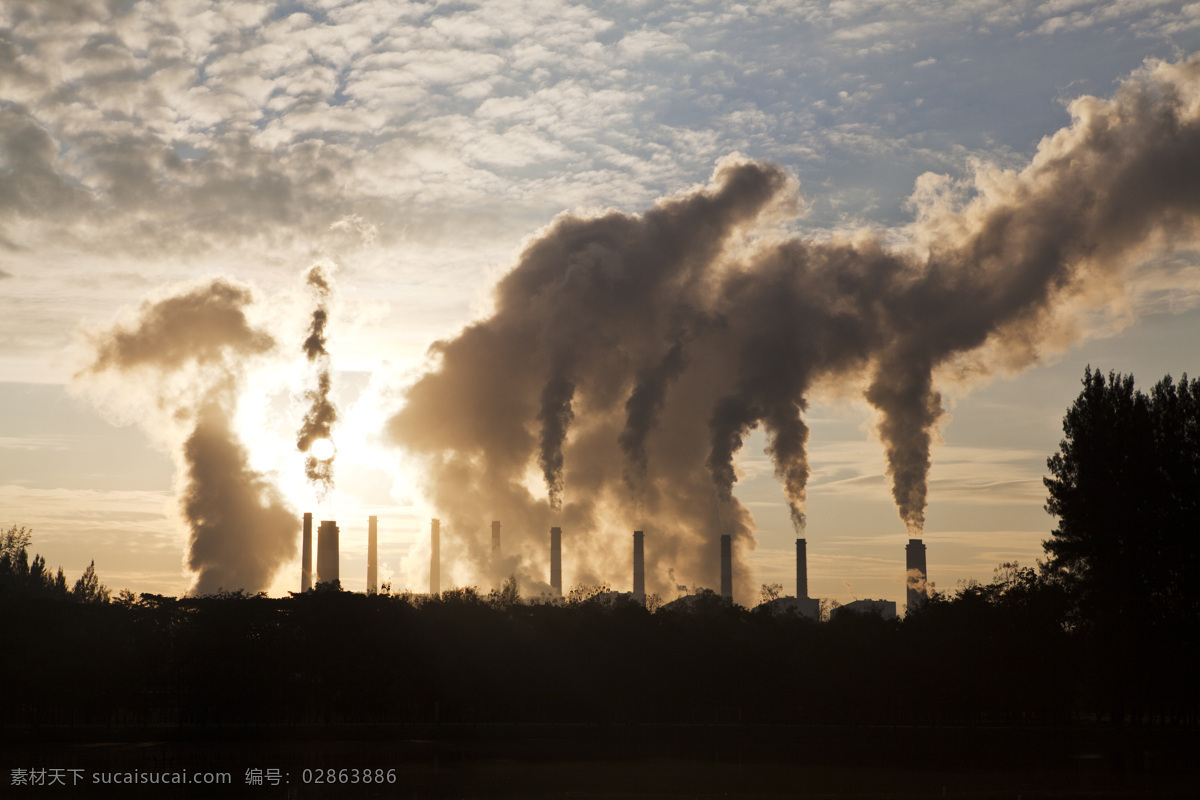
914,559
801,568
372,555
435,557
306,556
556,560
639,566
327,552
727,566
495,538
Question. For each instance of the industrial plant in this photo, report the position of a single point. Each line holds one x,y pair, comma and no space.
328,569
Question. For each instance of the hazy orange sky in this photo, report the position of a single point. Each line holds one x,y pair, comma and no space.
414,149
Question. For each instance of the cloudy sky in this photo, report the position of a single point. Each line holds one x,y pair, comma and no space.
414,148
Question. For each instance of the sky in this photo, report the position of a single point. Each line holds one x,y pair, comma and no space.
413,152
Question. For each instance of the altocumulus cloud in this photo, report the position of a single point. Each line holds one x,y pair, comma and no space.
150,127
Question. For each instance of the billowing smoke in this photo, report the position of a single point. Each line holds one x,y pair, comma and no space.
556,417
642,410
646,348
185,353
915,581
321,414
242,531
546,380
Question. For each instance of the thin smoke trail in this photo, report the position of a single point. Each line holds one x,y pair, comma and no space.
321,415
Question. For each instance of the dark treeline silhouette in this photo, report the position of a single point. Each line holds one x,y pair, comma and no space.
1126,491
995,653
23,578
1106,630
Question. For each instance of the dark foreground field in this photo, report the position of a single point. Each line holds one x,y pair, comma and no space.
727,760
1000,691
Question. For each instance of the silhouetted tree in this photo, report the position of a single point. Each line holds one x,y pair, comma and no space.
19,576
1125,489
507,595
14,560
13,541
584,592
826,607
991,630
89,589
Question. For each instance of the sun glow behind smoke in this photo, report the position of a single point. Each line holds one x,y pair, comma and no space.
373,480
322,449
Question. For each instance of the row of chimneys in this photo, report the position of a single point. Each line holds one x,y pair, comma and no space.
327,560
328,554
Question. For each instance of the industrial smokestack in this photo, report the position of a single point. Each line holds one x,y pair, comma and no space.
801,568
915,573
372,554
327,552
727,566
306,556
435,555
639,566
495,538
556,560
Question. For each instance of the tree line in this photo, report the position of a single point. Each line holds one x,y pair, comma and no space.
1107,628
23,578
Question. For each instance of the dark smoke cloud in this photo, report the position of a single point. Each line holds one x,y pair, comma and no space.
206,326
556,416
642,410
241,531
638,421
314,345
321,414
582,313
317,279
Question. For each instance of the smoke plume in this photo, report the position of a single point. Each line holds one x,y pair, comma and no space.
185,353
646,348
321,414
242,531
642,409
556,417
914,580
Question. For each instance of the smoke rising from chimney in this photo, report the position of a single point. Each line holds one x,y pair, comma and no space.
642,409
183,356
321,414
242,532
645,348
556,416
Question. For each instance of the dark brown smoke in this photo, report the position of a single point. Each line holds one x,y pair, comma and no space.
314,345
321,414
206,326
242,531
546,380
556,416
642,410
186,353
583,370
